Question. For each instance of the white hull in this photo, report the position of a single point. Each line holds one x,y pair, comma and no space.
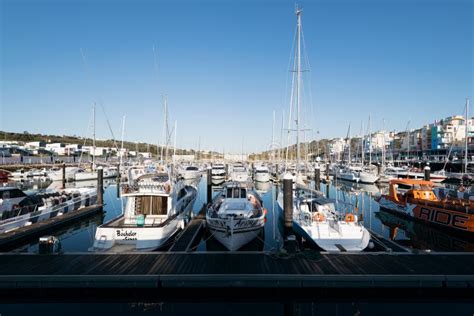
234,234
349,237
138,238
366,177
235,241
92,175
189,175
348,176
262,177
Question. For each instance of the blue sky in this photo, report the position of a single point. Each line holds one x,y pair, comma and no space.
224,66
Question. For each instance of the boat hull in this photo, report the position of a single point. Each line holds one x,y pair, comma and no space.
459,221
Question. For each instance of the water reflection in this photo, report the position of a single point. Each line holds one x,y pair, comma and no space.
403,231
421,236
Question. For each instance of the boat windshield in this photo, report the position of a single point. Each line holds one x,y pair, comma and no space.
236,193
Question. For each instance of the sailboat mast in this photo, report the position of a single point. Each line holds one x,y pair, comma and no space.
273,137
121,149
93,137
298,87
370,144
466,136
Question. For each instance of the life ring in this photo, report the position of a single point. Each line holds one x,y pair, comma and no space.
350,218
318,217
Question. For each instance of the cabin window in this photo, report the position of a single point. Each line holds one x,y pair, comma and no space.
236,193
151,205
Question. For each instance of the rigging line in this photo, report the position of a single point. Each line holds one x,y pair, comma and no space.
291,96
98,98
306,58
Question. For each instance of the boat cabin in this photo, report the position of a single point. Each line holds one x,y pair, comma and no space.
418,190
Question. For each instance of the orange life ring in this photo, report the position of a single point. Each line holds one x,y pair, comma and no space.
350,218
318,217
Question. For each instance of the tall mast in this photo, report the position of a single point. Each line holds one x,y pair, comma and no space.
370,144
273,137
466,136
298,87
362,147
175,134
383,143
93,137
121,149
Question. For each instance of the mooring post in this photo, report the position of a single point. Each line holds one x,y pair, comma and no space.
226,170
317,178
379,168
290,243
327,172
277,172
63,167
209,184
100,186
427,171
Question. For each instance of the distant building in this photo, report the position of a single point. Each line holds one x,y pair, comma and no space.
184,157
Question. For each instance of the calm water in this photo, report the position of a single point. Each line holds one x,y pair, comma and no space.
406,233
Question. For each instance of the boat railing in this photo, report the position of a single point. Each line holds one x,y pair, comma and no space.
32,208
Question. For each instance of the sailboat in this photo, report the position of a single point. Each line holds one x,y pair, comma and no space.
314,216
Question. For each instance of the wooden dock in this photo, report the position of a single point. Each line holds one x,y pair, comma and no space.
14,238
192,234
245,269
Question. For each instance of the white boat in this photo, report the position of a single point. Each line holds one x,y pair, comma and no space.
313,216
218,172
18,209
83,175
239,173
262,174
56,173
236,216
155,209
347,174
316,219
190,172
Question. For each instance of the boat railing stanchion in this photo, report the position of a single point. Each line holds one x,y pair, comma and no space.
100,186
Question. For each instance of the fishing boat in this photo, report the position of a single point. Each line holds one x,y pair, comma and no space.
417,199
155,209
18,209
235,216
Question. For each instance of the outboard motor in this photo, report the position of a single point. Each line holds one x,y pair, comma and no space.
49,245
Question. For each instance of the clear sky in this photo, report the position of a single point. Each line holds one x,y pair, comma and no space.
224,66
